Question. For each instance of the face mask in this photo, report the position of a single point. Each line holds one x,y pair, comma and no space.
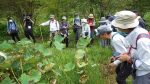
10,21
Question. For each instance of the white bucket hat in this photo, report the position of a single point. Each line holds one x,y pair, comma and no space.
64,18
52,16
103,19
84,20
91,16
125,20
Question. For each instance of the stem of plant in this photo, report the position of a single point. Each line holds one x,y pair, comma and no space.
41,34
21,66
15,76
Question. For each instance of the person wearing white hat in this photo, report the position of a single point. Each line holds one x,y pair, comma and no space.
119,46
85,28
53,26
64,26
91,22
139,41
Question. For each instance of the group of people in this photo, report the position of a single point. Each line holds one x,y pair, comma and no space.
126,30
12,28
81,27
131,47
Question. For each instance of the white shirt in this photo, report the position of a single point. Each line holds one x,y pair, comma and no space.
118,42
86,28
53,25
142,53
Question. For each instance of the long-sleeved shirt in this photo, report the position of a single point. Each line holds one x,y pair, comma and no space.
142,52
53,25
119,44
86,28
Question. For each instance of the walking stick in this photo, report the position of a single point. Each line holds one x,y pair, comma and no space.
41,34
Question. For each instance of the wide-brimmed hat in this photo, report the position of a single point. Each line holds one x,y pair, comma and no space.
64,17
103,29
84,20
103,19
52,16
125,20
91,16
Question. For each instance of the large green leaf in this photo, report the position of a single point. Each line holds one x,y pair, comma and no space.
57,72
24,42
25,79
7,80
35,75
39,47
5,46
69,67
46,52
58,38
80,53
83,42
59,45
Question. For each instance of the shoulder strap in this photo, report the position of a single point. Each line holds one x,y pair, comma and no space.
55,23
143,35
114,35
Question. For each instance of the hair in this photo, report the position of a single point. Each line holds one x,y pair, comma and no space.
108,32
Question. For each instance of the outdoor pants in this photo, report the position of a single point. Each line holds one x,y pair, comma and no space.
145,79
15,36
77,32
28,34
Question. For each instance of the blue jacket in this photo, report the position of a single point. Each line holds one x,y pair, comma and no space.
11,26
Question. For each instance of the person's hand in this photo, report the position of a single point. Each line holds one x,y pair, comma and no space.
112,59
124,57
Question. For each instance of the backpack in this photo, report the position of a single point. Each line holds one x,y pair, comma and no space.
77,20
14,29
55,23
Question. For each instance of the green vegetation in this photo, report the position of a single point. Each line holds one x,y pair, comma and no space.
38,63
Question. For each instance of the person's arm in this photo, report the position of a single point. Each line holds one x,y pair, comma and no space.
57,23
8,27
143,54
32,21
119,45
24,23
67,25
89,31
94,23
45,23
